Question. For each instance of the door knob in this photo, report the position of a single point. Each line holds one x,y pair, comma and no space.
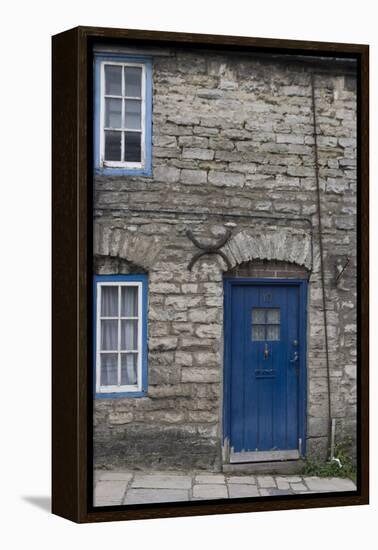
295,358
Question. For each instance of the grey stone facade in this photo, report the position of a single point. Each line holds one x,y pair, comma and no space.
233,148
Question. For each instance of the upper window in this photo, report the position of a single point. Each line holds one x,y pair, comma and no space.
123,102
120,335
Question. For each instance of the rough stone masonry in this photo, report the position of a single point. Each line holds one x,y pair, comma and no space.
232,134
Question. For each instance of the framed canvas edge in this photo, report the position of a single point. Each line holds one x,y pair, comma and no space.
71,295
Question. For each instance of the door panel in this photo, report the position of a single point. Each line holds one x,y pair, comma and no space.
264,379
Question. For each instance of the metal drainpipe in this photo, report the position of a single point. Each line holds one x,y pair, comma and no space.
320,232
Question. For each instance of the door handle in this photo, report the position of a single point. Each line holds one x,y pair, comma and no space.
295,358
266,351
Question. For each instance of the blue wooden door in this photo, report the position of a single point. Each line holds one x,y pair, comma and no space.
264,379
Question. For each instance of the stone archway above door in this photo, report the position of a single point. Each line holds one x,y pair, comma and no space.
280,244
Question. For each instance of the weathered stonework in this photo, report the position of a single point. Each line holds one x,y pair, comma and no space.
233,148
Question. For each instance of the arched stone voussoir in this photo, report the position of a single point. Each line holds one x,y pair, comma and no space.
133,246
283,244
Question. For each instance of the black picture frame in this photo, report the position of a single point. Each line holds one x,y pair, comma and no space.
72,258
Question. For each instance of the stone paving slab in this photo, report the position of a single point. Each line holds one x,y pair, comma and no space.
282,484
266,481
237,490
329,484
115,476
108,493
249,480
159,481
115,488
298,487
209,479
290,479
143,496
203,491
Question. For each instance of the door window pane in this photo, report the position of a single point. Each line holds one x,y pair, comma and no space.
258,332
112,145
109,301
133,152
273,316
129,335
109,369
273,332
129,301
129,369
266,324
113,80
258,316
133,81
109,335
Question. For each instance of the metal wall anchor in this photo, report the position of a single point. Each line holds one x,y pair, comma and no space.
209,249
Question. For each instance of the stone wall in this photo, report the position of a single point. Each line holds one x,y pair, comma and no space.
233,149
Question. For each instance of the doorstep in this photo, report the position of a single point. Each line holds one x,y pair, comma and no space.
281,467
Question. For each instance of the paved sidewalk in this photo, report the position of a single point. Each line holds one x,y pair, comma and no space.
114,488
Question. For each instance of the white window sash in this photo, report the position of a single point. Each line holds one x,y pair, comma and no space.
122,164
139,351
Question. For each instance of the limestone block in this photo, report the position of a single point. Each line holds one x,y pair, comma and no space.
200,374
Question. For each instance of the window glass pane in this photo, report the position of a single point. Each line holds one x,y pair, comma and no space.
113,80
113,113
129,301
133,151
273,332
258,332
133,81
113,145
109,369
258,316
132,114
129,335
129,369
273,316
109,335
109,301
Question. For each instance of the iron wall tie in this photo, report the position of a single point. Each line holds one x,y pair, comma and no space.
209,249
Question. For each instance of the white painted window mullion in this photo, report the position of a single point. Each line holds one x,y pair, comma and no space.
143,116
98,341
119,336
123,115
102,114
139,356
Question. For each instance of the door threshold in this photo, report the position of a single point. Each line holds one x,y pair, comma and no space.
263,456
281,467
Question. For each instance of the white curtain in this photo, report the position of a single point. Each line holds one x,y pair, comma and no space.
129,301
109,369
109,301
109,334
129,372
129,335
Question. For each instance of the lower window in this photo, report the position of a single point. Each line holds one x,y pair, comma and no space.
120,335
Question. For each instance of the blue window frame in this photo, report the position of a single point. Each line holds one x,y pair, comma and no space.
120,335
122,114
